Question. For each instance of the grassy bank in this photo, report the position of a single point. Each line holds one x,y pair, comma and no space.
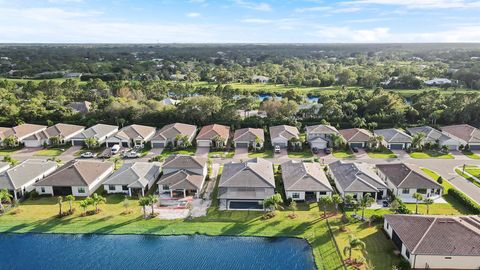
40,216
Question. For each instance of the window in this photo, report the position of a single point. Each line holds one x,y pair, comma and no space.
388,226
111,187
295,195
323,193
166,187
422,191
405,191
42,189
407,253
124,187
81,190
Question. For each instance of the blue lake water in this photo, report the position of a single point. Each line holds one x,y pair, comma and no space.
72,252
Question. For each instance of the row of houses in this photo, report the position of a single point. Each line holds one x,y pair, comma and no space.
318,136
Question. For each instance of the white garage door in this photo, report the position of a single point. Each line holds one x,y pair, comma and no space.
318,145
33,143
203,143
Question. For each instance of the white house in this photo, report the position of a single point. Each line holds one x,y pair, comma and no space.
319,136
19,179
65,132
435,136
130,136
20,132
78,177
133,178
283,134
207,134
468,134
247,137
168,135
436,242
394,139
100,132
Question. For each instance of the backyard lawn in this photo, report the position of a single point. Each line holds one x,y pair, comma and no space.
221,154
431,154
343,154
471,155
40,216
268,153
50,152
384,153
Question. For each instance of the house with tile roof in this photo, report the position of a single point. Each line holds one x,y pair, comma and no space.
282,135
131,136
215,136
434,136
79,178
319,136
356,137
99,131
470,135
436,242
305,181
20,179
167,135
65,132
404,180
182,176
394,138
244,185
20,132
81,107
357,179
133,178
247,137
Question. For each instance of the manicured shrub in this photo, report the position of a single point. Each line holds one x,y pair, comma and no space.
440,180
471,205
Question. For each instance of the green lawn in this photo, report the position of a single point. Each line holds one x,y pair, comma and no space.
268,153
307,153
40,216
5,152
431,154
169,152
379,249
50,152
471,155
384,153
473,170
221,154
84,150
343,154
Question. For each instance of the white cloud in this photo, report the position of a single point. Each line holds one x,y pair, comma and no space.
346,34
254,5
193,14
421,4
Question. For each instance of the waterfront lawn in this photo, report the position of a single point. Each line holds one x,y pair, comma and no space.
379,251
343,154
267,153
50,152
431,154
221,154
471,155
383,153
306,153
40,216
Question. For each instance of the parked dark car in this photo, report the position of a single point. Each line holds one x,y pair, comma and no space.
385,204
327,150
315,150
355,149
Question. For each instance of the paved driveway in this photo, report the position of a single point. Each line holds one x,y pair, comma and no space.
361,154
202,151
241,153
282,155
401,154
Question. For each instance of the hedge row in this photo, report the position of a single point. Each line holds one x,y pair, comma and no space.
471,205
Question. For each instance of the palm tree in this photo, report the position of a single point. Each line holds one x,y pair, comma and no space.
293,207
366,201
217,142
273,203
5,196
98,199
91,142
417,140
258,142
337,199
143,202
126,204
428,202
115,161
70,199
337,140
353,243
418,197
60,201
84,204
325,201
153,200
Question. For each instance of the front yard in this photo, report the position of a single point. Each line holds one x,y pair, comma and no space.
472,170
221,154
382,153
471,155
343,154
306,153
267,153
168,152
431,154
50,152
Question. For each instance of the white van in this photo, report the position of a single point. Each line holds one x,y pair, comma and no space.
115,149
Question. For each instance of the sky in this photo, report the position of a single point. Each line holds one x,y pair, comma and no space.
239,21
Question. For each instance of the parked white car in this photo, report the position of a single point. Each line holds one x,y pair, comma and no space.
277,149
88,155
132,154
115,149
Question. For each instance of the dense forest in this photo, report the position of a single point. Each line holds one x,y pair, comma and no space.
355,85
